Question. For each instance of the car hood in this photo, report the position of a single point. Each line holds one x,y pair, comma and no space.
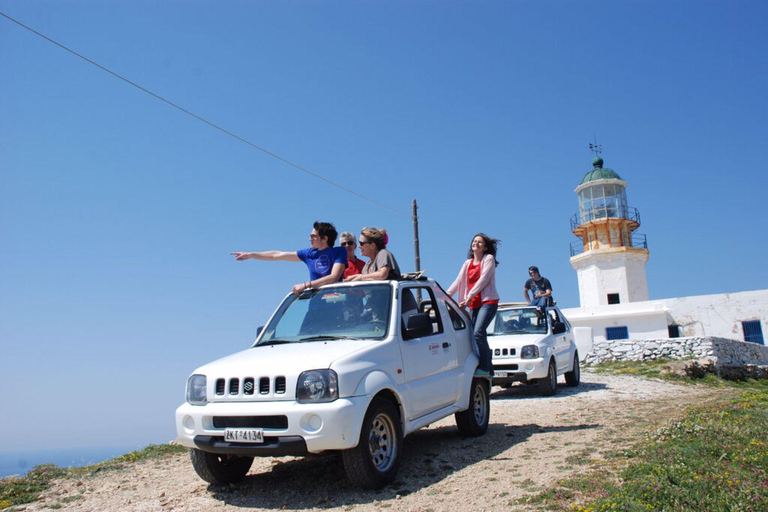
515,340
286,359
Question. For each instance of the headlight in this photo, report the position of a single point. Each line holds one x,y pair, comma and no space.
529,352
317,386
196,390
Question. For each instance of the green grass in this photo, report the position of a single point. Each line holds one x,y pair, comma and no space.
26,489
714,458
655,369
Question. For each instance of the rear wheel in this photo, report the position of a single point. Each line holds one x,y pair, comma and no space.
216,468
548,385
372,464
474,421
573,377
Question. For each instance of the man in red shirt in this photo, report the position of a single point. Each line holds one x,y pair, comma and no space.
354,264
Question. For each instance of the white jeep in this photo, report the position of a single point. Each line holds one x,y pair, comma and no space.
353,367
535,346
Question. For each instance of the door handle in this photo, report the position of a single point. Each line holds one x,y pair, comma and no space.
446,344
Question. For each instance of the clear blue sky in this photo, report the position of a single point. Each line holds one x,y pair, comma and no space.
118,212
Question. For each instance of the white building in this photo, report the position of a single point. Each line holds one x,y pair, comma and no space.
610,259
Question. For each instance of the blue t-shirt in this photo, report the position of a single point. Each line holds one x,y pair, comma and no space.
320,263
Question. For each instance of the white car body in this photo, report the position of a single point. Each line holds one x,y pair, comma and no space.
515,329
254,393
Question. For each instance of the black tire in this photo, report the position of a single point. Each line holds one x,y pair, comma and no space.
548,385
373,463
573,377
216,468
474,421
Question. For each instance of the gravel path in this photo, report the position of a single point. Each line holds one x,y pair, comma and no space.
532,442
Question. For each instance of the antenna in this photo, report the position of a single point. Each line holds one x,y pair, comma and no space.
596,148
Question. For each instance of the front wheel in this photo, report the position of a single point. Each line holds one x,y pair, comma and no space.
548,385
372,464
573,377
474,421
216,468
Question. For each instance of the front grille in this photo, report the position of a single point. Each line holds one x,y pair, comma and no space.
504,352
275,422
264,385
280,385
249,386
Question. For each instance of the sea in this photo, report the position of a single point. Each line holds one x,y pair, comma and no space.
21,462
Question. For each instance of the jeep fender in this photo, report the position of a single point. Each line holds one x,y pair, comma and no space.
466,376
374,383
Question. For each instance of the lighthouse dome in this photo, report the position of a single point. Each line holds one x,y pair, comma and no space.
599,172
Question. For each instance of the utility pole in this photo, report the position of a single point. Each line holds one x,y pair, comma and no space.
415,219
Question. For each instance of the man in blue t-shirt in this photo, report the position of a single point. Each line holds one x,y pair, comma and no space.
326,263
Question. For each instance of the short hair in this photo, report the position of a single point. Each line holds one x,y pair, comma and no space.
533,268
326,229
375,235
348,235
490,246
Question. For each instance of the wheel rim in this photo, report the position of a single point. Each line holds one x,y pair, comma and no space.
479,405
381,442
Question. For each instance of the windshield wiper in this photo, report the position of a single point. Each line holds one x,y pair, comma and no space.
323,337
272,342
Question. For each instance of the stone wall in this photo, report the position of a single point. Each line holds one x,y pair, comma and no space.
723,352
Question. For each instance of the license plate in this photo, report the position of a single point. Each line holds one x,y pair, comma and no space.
244,435
500,374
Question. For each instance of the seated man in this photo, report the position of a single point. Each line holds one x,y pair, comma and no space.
541,289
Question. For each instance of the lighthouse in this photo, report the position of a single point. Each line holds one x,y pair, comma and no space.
609,257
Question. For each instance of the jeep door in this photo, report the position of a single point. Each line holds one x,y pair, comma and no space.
562,341
429,358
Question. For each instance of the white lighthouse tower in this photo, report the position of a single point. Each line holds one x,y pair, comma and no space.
610,258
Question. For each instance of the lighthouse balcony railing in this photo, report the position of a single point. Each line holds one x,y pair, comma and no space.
638,241
608,211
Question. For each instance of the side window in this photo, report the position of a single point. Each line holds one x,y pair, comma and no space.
456,320
410,306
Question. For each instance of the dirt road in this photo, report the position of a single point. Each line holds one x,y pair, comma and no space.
532,443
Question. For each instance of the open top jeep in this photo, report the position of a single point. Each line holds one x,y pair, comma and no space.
353,367
533,346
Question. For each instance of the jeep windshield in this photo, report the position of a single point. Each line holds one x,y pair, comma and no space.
331,313
518,321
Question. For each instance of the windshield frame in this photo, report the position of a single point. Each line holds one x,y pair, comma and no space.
344,328
536,330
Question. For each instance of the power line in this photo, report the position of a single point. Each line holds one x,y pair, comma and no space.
202,119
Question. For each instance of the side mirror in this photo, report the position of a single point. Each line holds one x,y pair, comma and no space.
425,306
419,324
558,328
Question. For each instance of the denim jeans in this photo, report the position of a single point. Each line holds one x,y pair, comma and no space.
541,302
481,319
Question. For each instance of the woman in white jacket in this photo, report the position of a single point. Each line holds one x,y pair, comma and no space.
476,286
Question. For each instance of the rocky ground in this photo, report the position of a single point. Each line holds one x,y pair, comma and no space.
532,443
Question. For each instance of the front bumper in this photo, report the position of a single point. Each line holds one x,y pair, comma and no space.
305,428
513,369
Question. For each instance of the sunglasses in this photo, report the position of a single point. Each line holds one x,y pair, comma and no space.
363,243
347,244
